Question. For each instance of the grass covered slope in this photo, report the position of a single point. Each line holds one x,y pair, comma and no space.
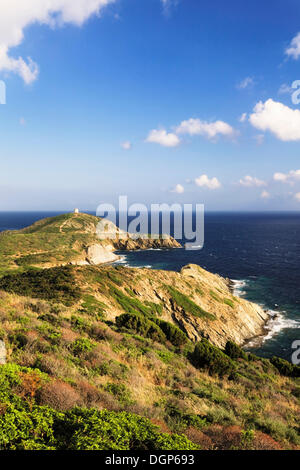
48,242
198,302
114,359
62,240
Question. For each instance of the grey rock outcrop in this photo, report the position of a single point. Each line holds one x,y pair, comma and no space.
3,353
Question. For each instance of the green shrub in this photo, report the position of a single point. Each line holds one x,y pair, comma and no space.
172,332
121,392
141,325
207,356
50,284
26,426
285,367
106,430
82,345
234,351
180,420
79,323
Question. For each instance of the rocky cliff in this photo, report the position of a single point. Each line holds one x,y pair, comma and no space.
199,302
70,239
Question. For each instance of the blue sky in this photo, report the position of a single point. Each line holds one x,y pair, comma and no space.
162,101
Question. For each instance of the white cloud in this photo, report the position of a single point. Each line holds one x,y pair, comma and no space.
204,181
291,177
179,189
243,117
285,89
251,181
246,83
265,195
297,196
208,129
16,15
126,145
162,137
277,118
167,4
294,48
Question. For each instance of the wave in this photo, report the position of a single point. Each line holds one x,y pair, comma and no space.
277,319
277,322
238,287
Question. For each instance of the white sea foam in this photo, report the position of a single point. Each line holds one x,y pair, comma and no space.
277,320
275,325
147,266
121,260
238,286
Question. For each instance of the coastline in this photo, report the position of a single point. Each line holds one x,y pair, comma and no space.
275,323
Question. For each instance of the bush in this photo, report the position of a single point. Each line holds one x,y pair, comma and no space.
24,425
50,284
121,392
58,395
207,356
172,332
234,351
141,325
82,345
285,367
107,430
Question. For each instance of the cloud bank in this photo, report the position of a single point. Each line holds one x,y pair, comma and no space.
179,189
291,177
277,118
17,15
294,48
251,181
205,182
208,129
162,137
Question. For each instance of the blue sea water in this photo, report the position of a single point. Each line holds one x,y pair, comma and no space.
260,250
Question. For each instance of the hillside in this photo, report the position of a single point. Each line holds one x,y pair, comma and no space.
90,352
121,340
67,239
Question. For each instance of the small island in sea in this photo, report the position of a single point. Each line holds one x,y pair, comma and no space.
89,348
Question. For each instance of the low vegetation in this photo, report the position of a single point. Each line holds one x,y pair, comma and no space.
72,371
188,305
50,284
99,357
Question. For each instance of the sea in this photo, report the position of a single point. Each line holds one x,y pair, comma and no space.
260,252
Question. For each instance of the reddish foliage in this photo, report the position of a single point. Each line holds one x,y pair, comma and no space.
199,438
90,395
225,438
58,395
232,437
161,424
29,386
264,442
